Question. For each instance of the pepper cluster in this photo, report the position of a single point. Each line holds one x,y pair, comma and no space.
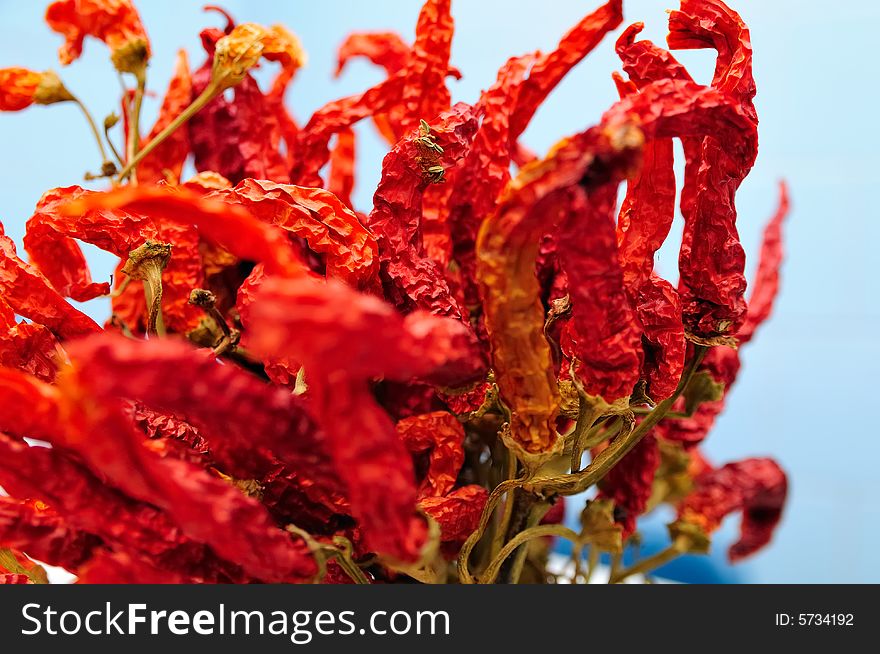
291,390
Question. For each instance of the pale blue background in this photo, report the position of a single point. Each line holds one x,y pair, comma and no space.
806,394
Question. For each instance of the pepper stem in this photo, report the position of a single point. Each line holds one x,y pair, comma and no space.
492,570
679,546
211,91
146,263
94,128
134,121
611,456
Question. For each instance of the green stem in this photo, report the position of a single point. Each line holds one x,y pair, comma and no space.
134,122
521,538
10,563
464,573
504,523
210,92
511,574
588,415
113,149
678,547
592,563
93,126
609,457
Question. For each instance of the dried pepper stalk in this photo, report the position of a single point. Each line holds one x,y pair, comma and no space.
166,161
629,484
50,244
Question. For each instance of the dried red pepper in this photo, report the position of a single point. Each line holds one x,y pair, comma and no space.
342,166
50,244
440,435
417,161
765,284
722,363
424,94
757,487
31,526
128,568
370,339
457,513
549,70
602,337
313,146
32,348
329,227
658,308
256,424
508,242
92,514
115,22
219,222
241,137
20,88
30,295
485,170
385,49
712,261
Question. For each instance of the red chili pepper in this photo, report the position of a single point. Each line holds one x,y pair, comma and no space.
330,228
30,295
757,487
369,339
128,568
722,362
549,69
241,137
413,164
424,93
32,348
115,22
313,146
33,527
93,514
232,227
342,166
385,49
440,436
712,261
458,514
602,337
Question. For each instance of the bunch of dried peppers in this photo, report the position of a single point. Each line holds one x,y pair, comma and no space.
292,390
